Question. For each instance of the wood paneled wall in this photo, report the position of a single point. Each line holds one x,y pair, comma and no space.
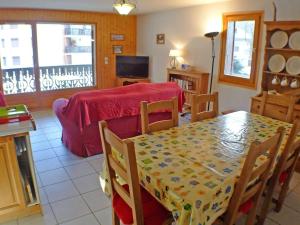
106,23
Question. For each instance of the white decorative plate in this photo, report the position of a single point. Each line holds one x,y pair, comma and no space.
294,41
276,63
279,39
293,65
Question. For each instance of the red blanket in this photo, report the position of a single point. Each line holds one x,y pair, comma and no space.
87,107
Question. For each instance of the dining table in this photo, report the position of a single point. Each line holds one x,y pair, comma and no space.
192,169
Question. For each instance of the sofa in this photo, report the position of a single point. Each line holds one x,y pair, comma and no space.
120,107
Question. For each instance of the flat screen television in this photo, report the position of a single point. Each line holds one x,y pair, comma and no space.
132,66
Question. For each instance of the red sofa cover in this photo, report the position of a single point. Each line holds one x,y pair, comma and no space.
120,107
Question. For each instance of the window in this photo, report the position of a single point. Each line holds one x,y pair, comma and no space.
65,59
3,62
16,60
239,55
68,61
14,42
14,26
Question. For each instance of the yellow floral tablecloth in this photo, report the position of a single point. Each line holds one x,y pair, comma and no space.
192,169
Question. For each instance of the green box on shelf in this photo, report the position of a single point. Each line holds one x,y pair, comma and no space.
13,111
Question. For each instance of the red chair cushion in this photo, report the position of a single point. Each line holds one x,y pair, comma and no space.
154,212
283,177
246,207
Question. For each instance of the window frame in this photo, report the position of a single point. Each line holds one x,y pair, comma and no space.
234,80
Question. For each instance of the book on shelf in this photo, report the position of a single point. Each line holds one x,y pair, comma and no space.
25,171
184,84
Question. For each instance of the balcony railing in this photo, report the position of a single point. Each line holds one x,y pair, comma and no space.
22,80
78,49
78,31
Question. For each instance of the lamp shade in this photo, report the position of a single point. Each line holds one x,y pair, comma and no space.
123,7
174,53
211,34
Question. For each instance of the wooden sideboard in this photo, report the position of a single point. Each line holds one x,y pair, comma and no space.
19,195
192,82
123,81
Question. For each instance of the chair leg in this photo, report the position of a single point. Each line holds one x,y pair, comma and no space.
284,189
266,204
282,195
115,219
252,216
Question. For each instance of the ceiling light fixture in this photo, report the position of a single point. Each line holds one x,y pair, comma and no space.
124,7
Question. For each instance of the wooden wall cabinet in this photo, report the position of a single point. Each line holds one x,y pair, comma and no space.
192,82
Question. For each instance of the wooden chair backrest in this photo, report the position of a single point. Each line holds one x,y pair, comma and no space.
147,108
283,111
200,101
290,154
252,180
129,174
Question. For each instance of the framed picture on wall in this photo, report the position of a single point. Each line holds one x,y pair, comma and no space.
160,39
117,37
117,49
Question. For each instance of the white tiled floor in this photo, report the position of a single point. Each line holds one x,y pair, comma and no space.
70,190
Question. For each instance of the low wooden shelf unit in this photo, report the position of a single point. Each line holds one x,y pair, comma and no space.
192,82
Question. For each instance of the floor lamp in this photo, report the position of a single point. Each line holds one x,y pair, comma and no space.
212,36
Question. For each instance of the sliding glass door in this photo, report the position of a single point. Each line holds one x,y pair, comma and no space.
46,57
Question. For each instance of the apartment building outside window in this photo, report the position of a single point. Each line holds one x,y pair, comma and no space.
3,63
14,42
16,60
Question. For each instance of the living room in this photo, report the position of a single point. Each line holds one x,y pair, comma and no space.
70,65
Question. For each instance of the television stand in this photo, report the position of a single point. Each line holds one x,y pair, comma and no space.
123,81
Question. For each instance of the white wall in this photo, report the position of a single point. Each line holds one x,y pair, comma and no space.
184,29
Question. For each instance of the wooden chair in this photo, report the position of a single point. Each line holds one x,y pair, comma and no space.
252,181
131,203
202,100
284,110
147,108
283,173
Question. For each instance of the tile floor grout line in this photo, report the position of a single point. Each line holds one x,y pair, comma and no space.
79,194
291,208
100,211
50,206
63,165
274,221
75,218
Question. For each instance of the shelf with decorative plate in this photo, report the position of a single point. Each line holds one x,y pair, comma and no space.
282,74
283,50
